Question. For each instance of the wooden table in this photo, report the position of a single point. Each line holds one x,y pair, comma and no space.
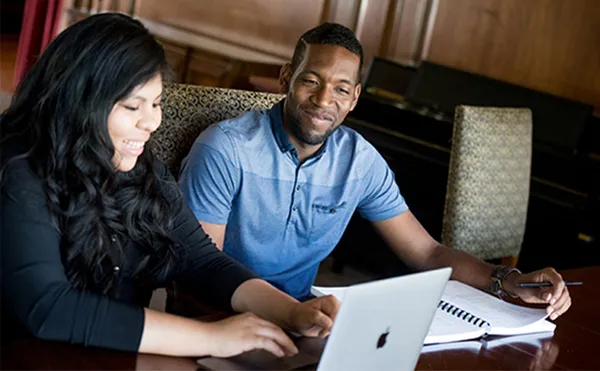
574,345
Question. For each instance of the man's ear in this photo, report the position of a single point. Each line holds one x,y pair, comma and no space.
357,90
285,78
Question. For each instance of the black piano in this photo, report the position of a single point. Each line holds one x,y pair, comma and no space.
407,114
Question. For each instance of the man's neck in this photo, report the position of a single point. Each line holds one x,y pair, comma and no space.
304,150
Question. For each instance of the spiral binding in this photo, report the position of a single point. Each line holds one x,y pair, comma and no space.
463,314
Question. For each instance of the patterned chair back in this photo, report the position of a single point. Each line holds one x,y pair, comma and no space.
189,109
488,181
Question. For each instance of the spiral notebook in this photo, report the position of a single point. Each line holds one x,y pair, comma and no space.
467,313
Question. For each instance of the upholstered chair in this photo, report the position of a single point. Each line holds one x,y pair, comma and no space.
189,109
488,182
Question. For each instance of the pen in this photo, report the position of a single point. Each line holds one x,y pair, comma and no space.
545,284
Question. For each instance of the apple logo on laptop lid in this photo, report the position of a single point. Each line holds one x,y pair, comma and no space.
383,338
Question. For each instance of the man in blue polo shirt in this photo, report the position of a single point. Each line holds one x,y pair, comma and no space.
275,189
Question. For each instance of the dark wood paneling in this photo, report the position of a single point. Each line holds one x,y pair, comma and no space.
209,69
547,45
125,6
177,56
370,26
407,30
341,11
272,26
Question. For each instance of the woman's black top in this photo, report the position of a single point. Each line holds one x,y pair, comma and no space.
37,295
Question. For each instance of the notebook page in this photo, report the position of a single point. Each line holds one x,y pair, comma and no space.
540,326
446,328
510,318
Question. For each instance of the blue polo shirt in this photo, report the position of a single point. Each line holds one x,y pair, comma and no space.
284,216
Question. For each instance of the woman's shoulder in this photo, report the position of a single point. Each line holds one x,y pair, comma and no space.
15,166
167,181
19,181
160,168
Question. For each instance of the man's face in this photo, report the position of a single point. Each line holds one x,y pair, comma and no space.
320,92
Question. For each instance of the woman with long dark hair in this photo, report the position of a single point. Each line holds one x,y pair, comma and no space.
91,222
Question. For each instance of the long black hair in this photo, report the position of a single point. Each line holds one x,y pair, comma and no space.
59,117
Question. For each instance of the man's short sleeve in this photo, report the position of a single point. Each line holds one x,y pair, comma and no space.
210,176
381,197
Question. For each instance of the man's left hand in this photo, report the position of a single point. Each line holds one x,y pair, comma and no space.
556,296
315,317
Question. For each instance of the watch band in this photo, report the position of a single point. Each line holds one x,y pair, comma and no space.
499,273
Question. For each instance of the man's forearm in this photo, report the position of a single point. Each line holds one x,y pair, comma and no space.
465,268
411,243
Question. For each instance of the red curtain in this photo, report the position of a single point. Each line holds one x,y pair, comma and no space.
40,25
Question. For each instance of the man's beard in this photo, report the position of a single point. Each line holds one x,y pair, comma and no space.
295,125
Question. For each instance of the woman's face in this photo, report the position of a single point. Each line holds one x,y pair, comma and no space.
132,120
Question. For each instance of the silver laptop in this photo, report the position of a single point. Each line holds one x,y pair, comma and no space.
381,325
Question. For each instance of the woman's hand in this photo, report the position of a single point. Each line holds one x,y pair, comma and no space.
311,318
245,332
315,317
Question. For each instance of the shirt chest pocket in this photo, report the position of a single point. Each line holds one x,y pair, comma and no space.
328,223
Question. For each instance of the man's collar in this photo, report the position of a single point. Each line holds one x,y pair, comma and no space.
276,117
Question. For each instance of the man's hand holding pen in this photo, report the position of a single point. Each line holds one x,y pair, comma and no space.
552,290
